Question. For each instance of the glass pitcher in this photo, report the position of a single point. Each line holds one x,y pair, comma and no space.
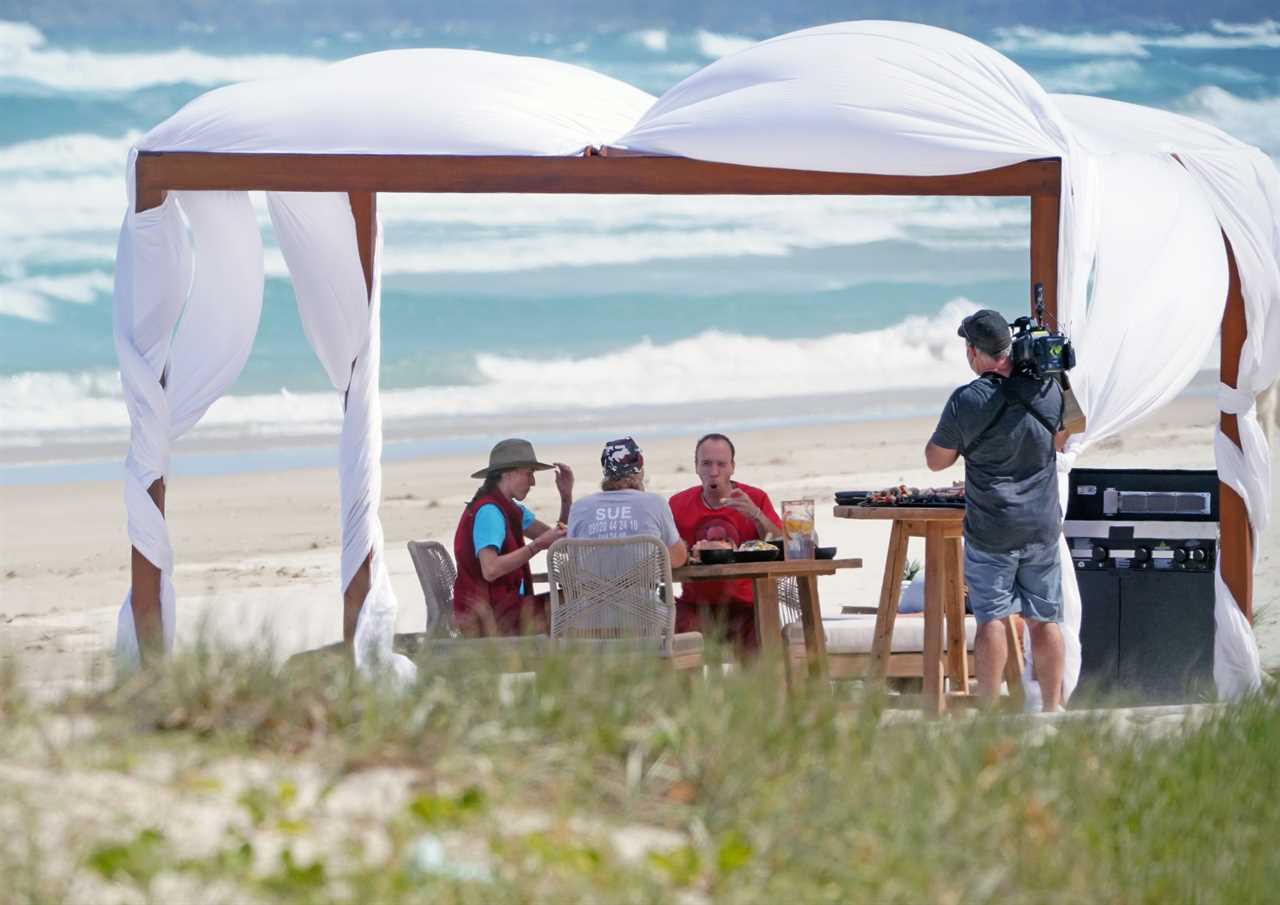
797,525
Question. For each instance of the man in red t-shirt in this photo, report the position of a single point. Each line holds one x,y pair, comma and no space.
721,509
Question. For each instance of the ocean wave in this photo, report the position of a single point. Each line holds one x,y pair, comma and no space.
69,215
26,57
1226,36
1027,38
1256,121
32,298
1223,36
1091,77
653,39
1224,73
81,153
714,365
714,46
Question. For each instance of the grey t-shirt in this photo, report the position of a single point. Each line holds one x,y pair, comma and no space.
622,513
1011,482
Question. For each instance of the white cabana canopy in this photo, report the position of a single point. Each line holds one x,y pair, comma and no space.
892,100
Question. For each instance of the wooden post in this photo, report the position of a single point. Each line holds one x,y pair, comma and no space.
1236,551
1044,253
364,206
935,570
144,575
148,626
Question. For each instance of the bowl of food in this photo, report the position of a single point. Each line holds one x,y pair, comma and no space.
824,553
757,551
715,556
713,552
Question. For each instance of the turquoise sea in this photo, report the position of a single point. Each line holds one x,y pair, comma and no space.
547,313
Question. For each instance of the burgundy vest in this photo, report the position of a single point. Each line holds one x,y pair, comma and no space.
477,602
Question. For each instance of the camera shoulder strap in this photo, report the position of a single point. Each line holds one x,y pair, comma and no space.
995,419
1007,396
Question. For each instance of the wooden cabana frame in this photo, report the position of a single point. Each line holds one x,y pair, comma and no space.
619,172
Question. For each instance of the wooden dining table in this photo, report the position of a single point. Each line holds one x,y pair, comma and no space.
764,582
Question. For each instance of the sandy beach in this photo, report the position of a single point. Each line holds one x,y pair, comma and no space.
257,554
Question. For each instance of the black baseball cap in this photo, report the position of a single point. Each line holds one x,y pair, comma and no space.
987,331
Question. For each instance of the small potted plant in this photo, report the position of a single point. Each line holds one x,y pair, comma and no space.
909,571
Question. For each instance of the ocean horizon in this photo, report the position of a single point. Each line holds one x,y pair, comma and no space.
563,313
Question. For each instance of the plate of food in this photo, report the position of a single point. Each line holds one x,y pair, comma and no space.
756,551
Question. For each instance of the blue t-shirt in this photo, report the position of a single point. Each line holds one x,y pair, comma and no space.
490,527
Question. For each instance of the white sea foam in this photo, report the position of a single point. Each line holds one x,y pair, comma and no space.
654,39
714,46
62,213
26,56
25,306
1254,121
1226,36
1224,73
918,352
1223,36
1025,38
31,298
1091,77
79,152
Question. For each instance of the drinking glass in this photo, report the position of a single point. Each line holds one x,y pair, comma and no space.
797,524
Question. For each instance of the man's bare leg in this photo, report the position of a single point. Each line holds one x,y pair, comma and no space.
989,654
1049,655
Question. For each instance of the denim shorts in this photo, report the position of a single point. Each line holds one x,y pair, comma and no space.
1027,581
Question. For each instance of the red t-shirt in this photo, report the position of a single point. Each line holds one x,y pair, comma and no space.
696,521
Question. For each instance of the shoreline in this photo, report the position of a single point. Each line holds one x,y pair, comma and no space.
221,451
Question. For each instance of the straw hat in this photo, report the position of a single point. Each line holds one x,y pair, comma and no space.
509,454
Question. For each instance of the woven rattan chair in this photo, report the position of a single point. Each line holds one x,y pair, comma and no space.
436,574
617,595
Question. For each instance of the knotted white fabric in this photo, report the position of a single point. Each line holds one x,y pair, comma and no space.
341,319
1237,669
1133,357
170,378
1242,188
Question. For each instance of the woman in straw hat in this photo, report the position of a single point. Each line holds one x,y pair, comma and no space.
494,591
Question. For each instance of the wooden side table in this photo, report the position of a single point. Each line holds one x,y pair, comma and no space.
942,530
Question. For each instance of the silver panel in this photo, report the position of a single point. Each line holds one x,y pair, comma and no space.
1153,530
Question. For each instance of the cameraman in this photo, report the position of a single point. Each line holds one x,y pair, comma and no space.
1005,424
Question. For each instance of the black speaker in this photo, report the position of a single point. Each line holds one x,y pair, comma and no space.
1166,636
1099,632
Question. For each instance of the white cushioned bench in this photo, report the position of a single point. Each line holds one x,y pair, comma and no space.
849,640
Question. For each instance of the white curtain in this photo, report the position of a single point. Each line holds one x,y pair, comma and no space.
1160,283
183,331
341,320
1242,187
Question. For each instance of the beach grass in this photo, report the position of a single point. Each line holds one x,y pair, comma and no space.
221,777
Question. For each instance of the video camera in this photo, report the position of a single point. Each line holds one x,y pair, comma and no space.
1038,351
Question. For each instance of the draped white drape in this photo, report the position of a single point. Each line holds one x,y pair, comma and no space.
340,318
1241,187
1158,251
183,330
